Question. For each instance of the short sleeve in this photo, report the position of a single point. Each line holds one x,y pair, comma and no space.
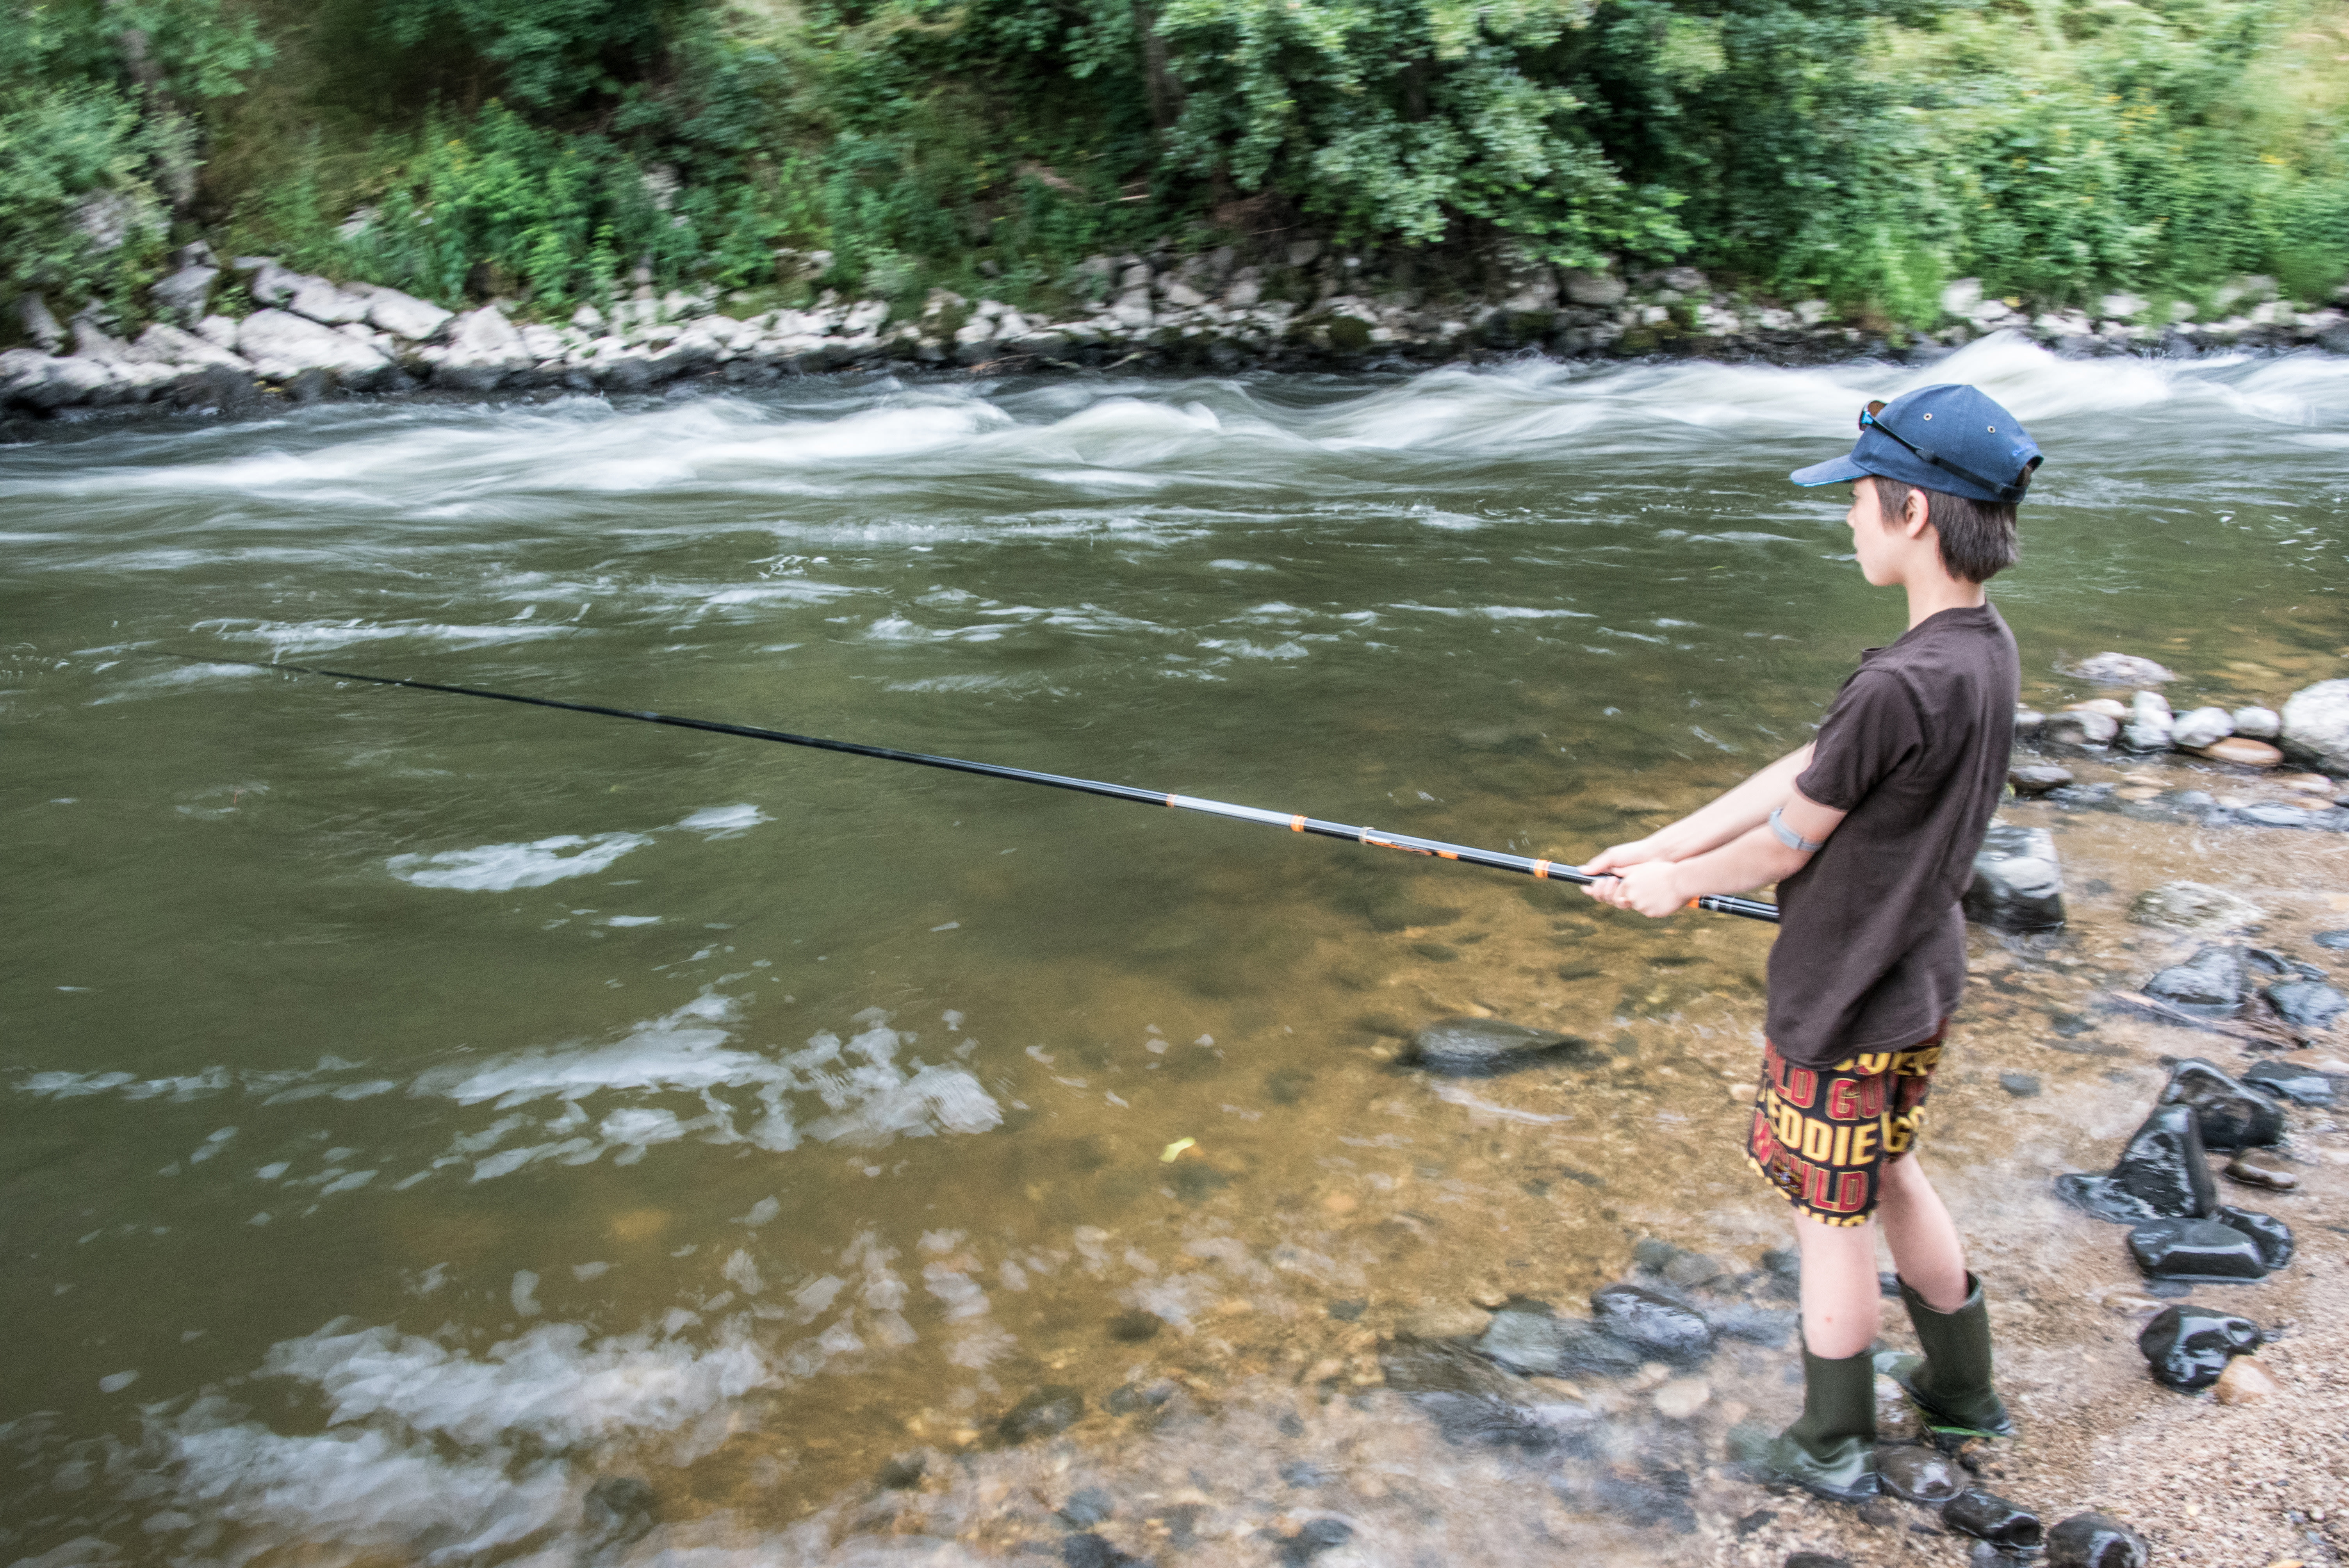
1871,729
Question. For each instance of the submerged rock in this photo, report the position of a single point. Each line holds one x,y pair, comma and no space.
2039,777
1986,1516
1528,1336
2109,669
2095,1540
2188,1346
2316,724
2018,882
1485,1047
2162,1172
2192,906
2332,941
2306,1004
1920,1474
2244,753
2233,1245
2022,1086
1653,1323
2226,1115
2210,984
1044,1412
2288,1081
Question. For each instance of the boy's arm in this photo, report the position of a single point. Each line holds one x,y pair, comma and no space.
1659,887
1732,816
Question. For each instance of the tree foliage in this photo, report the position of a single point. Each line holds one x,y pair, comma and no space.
563,150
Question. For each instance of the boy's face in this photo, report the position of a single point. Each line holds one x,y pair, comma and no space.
1881,543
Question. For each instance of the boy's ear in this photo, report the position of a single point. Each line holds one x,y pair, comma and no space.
1916,515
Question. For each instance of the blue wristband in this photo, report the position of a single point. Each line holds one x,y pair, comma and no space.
1791,839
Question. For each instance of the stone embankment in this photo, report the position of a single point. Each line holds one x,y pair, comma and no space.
223,336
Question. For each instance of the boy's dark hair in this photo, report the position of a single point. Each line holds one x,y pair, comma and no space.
1978,538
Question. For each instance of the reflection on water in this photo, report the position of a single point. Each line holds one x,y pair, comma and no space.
439,1132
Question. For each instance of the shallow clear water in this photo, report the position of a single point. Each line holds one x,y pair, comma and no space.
415,1108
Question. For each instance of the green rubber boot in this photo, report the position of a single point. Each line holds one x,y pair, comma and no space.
1831,1452
1950,1383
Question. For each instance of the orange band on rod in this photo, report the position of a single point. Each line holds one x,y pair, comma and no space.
1296,824
1541,871
1170,799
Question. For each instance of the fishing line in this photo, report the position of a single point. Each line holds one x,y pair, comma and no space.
1541,870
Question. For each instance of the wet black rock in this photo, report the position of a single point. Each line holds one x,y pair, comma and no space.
2268,960
1920,1474
1045,1412
1815,1559
1528,1336
2227,1247
2226,1115
2306,1005
2210,984
2161,1172
2336,941
1985,1555
1474,1402
1653,1323
621,1508
1487,1048
1986,1516
2018,882
2095,1540
2022,1086
2287,1080
2188,1346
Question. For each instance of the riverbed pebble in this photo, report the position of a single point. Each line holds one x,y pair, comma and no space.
2022,1086
1681,1397
2262,1168
2244,753
1652,1321
2244,1382
2201,727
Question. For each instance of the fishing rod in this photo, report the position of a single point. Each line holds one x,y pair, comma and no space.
1540,869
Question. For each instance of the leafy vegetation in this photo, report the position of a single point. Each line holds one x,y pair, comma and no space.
560,150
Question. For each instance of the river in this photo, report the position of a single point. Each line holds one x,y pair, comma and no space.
419,1111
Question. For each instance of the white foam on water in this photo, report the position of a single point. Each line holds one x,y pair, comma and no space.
715,822
503,868
315,637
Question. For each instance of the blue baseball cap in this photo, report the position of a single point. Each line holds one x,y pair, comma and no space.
1951,438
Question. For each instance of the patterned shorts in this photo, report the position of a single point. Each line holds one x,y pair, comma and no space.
1822,1136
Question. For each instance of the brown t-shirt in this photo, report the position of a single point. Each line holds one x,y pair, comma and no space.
1871,949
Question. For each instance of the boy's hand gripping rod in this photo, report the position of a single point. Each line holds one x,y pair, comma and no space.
1551,871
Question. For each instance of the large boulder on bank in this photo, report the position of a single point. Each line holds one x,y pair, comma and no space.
483,350
2018,881
281,346
165,344
183,295
403,315
2316,725
32,379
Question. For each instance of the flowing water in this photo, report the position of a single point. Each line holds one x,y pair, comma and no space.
419,1113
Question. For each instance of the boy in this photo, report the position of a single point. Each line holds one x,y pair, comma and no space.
1870,832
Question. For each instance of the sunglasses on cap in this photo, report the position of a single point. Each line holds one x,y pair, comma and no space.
2005,492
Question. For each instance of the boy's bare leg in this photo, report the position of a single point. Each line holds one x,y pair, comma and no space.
1925,1246
1842,1304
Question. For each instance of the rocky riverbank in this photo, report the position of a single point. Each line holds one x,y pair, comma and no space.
223,336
